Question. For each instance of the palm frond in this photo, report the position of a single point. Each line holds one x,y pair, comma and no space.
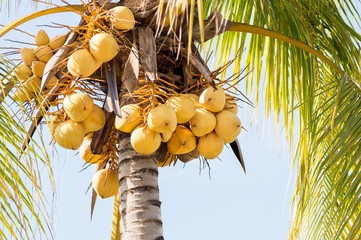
329,195
22,200
327,103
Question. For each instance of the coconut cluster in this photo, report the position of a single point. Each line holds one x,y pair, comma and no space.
102,47
189,124
106,183
83,117
29,72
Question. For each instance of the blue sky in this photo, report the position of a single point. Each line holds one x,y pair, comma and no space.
220,203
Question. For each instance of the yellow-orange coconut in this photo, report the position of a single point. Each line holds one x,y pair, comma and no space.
106,183
122,18
131,118
228,126
22,95
166,136
32,84
54,122
210,145
57,41
144,140
27,55
203,122
37,67
27,89
182,141
162,119
43,53
69,134
53,81
22,72
103,47
86,154
95,120
183,106
213,99
194,97
82,64
78,106
41,38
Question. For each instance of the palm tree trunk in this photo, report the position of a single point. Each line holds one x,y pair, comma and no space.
139,195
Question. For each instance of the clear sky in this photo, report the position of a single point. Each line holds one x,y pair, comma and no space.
220,203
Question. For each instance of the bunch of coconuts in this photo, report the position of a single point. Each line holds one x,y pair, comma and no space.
186,122
82,118
29,72
103,47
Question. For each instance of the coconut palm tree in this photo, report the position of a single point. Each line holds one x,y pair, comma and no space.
311,52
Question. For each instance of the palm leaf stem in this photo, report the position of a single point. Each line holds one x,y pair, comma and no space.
247,28
41,13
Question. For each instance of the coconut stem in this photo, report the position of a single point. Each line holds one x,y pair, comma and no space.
139,194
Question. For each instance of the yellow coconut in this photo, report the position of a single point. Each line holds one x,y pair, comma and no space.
43,53
189,156
194,97
37,67
131,118
53,81
162,119
106,183
228,126
86,154
183,106
122,18
231,104
144,140
203,122
95,120
27,55
22,72
210,145
22,95
82,64
57,41
78,106
182,141
41,38
69,134
27,89
213,99
32,84
103,47
54,122
166,136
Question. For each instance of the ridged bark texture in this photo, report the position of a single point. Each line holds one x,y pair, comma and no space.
139,195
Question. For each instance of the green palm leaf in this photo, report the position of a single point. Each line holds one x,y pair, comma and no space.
22,201
327,195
